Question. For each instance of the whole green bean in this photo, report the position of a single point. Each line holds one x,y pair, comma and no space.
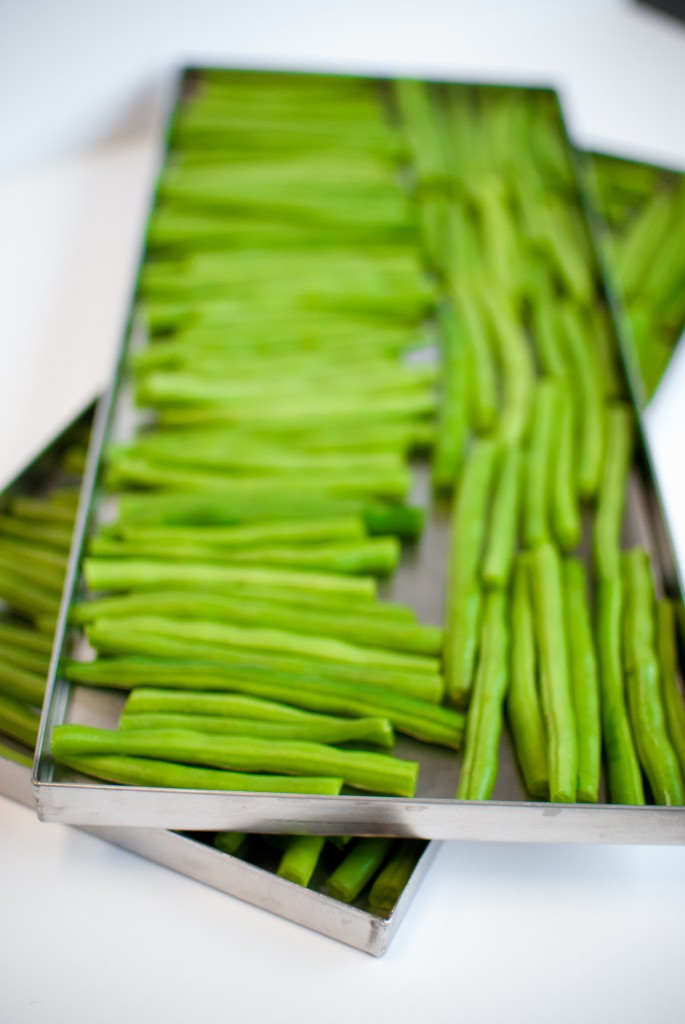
611,499
516,365
584,680
654,747
504,520
144,771
252,638
360,769
565,510
589,400
671,693
484,720
622,766
453,411
21,684
467,533
140,574
365,730
381,629
471,318
137,640
555,684
523,701
537,506
421,719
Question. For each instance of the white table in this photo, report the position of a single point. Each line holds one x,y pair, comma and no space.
91,933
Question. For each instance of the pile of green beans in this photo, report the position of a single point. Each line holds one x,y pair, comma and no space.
538,453
644,208
309,251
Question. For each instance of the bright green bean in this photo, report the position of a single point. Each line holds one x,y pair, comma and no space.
611,499
300,858
392,880
671,692
657,756
523,701
360,769
484,720
584,680
555,684
358,868
501,544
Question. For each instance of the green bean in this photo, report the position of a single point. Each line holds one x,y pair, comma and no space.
394,632
622,766
501,544
516,366
299,531
392,880
127,472
671,693
417,718
540,468
21,684
229,842
9,754
544,325
584,680
358,868
484,721
113,639
655,751
52,536
589,401
317,648
612,492
376,731
471,317
376,772
21,657
25,507
18,721
453,411
144,771
467,534
565,510
523,701
23,636
421,122
555,685
140,574
300,858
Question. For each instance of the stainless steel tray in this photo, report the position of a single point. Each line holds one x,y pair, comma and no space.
259,886
195,857
434,813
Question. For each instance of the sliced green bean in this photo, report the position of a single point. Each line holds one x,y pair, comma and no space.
300,858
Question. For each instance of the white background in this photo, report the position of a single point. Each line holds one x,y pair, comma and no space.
91,933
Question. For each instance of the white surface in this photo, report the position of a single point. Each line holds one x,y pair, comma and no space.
91,933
